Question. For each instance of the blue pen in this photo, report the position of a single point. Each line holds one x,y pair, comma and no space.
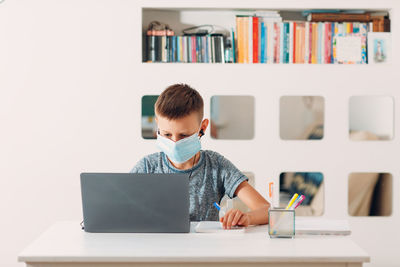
217,206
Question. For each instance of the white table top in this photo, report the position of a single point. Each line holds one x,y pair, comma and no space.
66,242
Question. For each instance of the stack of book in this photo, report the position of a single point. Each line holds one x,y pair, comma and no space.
261,40
253,36
193,48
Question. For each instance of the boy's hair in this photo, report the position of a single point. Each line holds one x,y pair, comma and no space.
178,101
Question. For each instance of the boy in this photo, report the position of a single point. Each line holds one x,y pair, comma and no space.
179,117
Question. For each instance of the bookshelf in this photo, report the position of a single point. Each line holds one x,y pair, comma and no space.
262,35
335,156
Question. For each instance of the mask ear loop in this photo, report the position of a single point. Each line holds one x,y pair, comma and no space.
194,159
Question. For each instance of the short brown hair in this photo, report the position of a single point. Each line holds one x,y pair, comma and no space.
178,101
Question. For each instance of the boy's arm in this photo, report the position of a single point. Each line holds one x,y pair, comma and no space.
258,205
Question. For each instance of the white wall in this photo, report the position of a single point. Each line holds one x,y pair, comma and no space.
71,81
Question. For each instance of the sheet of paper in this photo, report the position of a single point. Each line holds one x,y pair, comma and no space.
215,227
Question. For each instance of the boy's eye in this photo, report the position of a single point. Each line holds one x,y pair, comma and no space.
167,135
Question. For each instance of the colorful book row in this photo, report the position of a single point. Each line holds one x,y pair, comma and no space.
187,48
300,42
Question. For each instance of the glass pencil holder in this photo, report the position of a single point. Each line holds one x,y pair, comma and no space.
281,223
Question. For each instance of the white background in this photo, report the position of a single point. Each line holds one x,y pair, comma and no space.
71,81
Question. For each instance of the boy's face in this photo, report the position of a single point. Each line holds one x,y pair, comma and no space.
178,129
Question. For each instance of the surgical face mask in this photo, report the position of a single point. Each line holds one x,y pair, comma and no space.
180,151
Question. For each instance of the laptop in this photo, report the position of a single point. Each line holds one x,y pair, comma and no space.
135,203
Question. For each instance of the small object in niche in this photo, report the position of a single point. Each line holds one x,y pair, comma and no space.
379,47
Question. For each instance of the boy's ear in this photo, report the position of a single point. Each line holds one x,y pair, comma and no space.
204,125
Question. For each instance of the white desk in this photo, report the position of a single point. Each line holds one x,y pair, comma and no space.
65,245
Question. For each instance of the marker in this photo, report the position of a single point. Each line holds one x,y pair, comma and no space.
298,202
217,206
271,189
292,200
271,193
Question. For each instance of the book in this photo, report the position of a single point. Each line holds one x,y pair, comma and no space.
319,226
339,17
255,33
263,50
380,24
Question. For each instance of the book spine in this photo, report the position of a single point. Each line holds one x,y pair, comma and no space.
276,42
291,42
176,48
184,49
332,40
363,33
259,40
356,27
262,43
209,57
335,17
151,47
319,42
270,42
246,40
311,43
222,48
189,48
335,35
212,49
250,40
233,36
170,52
281,43
296,43
255,39
193,39
326,42
216,50
314,42
158,49
239,37
204,48
179,48
306,42
198,49
303,42
266,48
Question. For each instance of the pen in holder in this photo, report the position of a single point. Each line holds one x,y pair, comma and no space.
281,222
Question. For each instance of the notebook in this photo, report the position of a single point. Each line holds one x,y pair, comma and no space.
318,226
216,227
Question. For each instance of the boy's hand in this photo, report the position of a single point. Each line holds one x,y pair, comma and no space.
235,217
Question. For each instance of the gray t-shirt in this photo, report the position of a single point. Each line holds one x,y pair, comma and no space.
213,176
